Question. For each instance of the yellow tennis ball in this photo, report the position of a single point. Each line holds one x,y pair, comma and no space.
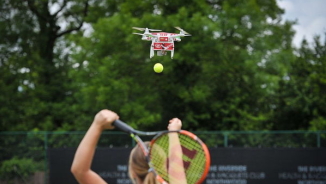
158,68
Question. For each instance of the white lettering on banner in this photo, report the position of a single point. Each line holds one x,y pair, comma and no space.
288,175
213,168
122,167
238,168
242,175
302,168
256,175
311,182
317,176
317,168
295,176
232,174
223,181
124,181
120,175
306,175
106,174
237,174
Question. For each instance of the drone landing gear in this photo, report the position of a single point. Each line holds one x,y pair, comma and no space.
161,53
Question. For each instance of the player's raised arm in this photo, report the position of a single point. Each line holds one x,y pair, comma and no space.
176,169
86,149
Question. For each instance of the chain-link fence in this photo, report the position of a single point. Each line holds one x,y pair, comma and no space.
24,159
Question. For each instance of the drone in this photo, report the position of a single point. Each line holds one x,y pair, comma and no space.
162,42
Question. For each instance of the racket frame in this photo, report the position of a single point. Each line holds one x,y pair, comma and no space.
135,135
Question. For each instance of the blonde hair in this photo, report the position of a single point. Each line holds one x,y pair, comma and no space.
138,167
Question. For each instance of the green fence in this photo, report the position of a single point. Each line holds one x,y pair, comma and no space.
25,153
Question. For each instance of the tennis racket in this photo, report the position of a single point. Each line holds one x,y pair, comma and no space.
173,155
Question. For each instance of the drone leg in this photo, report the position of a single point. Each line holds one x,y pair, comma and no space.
151,53
152,50
172,53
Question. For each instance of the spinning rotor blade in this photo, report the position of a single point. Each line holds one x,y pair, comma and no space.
139,28
146,34
183,31
154,30
143,29
138,34
178,35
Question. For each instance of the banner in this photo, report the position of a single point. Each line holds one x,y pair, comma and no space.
228,165
267,166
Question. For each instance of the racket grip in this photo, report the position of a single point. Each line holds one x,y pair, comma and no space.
123,126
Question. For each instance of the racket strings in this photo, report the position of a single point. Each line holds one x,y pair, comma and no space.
193,156
159,152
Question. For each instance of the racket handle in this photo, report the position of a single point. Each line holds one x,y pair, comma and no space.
123,126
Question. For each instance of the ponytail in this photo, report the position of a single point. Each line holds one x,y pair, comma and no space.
138,167
150,178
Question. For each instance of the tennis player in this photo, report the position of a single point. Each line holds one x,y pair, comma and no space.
139,171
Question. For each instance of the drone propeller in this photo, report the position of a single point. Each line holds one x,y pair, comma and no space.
183,32
146,34
178,35
139,34
144,29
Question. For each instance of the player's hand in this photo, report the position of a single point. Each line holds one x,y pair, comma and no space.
105,118
175,124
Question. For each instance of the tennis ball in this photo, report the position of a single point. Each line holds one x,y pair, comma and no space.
158,68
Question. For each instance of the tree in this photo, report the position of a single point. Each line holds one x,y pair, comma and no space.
237,71
216,78
35,71
301,98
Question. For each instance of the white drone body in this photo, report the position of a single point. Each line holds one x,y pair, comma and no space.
161,41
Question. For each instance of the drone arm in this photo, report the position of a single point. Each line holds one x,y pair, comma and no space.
174,36
178,35
151,52
151,35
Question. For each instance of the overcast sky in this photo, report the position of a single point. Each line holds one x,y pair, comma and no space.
311,16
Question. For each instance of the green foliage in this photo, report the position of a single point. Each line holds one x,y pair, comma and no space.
238,70
318,124
29,145
17,168
211,81
301,97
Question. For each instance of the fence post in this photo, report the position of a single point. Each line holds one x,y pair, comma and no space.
45,157
133,143
225,139
318,139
